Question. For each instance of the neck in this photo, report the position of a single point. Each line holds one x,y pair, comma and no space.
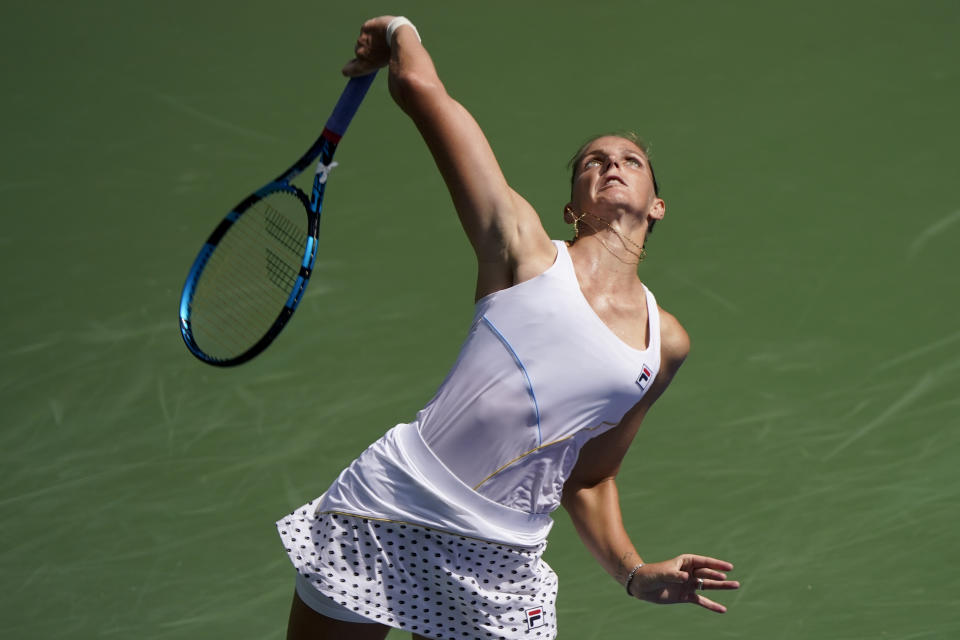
608,242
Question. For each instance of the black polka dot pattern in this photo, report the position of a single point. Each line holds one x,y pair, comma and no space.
434,584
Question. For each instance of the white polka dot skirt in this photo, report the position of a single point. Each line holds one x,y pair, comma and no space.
435,584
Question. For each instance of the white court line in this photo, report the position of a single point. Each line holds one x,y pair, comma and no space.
180,106
709,293
916,390
919,351
932,231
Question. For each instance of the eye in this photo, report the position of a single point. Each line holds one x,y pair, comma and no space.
592,162
634,162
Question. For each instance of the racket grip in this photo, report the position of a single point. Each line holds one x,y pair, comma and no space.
348,103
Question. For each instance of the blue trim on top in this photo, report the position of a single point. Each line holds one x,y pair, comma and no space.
519,362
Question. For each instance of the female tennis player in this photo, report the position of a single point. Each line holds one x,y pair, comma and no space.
438,528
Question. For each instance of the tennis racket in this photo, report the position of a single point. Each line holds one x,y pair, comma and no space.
252,271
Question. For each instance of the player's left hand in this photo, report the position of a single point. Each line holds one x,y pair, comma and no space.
683,580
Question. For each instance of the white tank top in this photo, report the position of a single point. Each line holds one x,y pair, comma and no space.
538,375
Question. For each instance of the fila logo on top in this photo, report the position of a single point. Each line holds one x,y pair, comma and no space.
644,378
534,617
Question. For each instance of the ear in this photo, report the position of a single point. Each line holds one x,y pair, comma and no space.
657,210
568,216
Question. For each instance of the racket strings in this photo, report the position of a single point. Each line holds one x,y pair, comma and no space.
237,315
280,272
287,233
250,276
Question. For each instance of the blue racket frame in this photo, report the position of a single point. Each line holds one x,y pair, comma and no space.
323,148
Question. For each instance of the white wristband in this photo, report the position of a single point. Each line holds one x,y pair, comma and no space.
395,24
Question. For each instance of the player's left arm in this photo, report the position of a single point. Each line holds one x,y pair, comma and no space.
590,494
590,497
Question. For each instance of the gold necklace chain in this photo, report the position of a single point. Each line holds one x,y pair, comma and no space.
640,254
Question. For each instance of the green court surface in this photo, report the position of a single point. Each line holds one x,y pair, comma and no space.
807,153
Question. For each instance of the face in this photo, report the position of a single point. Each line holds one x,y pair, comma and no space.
614,171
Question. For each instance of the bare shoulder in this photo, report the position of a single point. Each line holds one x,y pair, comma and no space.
674,340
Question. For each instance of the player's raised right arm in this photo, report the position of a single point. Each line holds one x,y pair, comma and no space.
503,228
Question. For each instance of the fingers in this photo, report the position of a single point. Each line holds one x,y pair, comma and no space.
360,64
710,573
702,584
713,579
691,561
720,584
688,566
371,50
707,574
357,67
706,603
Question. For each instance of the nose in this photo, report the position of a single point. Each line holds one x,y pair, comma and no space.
610,164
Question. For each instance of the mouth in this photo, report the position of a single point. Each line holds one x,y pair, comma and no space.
612,181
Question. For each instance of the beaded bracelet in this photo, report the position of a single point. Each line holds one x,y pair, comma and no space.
630,575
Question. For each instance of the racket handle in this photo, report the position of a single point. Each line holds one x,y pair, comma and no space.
348,103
